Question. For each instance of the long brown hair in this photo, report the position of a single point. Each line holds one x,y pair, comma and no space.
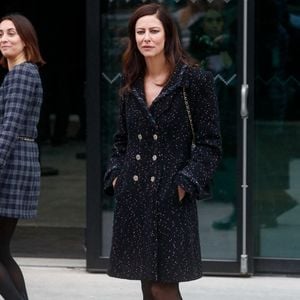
28,35
133,61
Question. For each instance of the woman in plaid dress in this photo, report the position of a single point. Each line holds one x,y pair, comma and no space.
20,102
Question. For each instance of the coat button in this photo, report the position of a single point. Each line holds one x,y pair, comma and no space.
154,157
152,179
140,136
135,178
155,137
138,157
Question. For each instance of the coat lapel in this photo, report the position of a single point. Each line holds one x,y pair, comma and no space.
164,100
139,94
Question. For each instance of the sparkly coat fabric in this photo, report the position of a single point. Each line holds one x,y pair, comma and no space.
20,102
155,236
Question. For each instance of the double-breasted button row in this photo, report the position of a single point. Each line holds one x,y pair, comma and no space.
155,136
138,157
154,157
136,178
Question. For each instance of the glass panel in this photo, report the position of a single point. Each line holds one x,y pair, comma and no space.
210,36
209,33
277,116
58,230
114,19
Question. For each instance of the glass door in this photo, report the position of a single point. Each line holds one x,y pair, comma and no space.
212,40
277,130
251,222
211,32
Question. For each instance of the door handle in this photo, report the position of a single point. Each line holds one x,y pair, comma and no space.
244,98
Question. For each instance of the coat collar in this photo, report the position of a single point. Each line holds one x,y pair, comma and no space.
164,99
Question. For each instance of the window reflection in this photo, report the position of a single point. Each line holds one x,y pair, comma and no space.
58,230
208,32
277,125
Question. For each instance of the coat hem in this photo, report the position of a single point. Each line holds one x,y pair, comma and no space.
128,277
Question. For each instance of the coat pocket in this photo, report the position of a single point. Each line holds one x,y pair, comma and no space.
118,184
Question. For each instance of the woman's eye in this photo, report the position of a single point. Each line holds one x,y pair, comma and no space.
140,32
11,33
154,31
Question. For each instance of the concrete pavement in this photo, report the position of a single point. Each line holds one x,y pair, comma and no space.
54,279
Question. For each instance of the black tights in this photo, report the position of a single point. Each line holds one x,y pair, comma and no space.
160,291
12,285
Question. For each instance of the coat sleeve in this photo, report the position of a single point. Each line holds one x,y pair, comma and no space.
198,173
18,89
118,152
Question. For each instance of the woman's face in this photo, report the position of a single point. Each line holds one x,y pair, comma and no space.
11,45
150,36
213,23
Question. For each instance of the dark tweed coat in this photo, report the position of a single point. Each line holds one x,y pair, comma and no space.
155,237
20,102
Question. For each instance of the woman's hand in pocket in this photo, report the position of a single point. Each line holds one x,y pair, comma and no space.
181,193
114,182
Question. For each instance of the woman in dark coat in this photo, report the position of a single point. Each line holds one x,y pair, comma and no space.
20,102
152,172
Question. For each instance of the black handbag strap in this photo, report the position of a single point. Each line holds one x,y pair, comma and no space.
187,106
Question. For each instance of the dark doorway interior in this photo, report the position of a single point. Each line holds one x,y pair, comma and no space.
59,228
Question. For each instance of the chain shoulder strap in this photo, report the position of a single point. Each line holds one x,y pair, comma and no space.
187,106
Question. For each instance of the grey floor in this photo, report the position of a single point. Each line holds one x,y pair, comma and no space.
68,280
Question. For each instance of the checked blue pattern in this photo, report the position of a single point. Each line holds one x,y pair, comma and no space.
20,102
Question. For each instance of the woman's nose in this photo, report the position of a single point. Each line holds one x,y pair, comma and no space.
3,38
147,36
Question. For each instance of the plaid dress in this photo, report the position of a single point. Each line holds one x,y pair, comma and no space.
20,102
